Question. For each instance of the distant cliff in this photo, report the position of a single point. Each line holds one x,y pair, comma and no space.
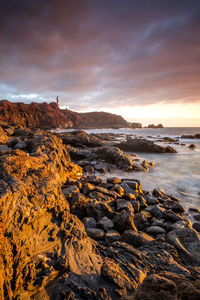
47,116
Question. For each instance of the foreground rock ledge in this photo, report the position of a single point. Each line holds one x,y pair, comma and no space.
45,252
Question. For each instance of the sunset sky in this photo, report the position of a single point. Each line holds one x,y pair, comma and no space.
136,58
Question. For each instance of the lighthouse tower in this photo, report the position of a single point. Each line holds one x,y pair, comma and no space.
57,100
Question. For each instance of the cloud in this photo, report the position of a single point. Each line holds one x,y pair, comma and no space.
100,53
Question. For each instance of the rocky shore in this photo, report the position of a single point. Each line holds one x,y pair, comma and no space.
67,233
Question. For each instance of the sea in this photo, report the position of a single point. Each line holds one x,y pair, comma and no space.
176,173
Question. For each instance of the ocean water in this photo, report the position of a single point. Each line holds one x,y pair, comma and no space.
178,174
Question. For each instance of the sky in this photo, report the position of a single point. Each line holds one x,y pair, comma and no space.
136,58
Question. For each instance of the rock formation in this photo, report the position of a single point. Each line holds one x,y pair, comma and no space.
68,235
48,116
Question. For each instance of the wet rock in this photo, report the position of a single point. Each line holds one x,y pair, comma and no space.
178,269
115,156
194,209
119,190
136,206
105,224
111,236
89,222
123,204
135,239
187,242
134,185
192,146
124,220
171,216
181,224
95,233
99,209
155,287
143,145
142,202
152,201
106,192
141,220
157,211
155,230
174,206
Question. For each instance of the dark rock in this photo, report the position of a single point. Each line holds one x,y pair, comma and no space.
124,220
141,220
187,242
135,239
95,233
196,226
155,230
143,145
174,206
89,222
105,224
171,216
112,236
197,217
136,206
114,156
155,287
192,146
123,204
152,201
89,169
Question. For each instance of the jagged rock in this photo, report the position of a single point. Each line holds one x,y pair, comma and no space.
141,220
152,201
173,205
113,273
123,204
114,156
155,287
105,223
124,220
187,242
135,239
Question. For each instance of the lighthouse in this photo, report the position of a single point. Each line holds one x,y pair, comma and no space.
57,100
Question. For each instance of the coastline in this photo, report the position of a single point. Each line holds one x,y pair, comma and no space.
66,232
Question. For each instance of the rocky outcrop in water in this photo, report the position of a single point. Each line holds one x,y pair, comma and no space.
143,145
65,235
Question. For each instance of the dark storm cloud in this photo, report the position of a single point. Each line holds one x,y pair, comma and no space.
95,53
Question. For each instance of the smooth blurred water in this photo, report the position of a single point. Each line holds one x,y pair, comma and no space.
178,174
